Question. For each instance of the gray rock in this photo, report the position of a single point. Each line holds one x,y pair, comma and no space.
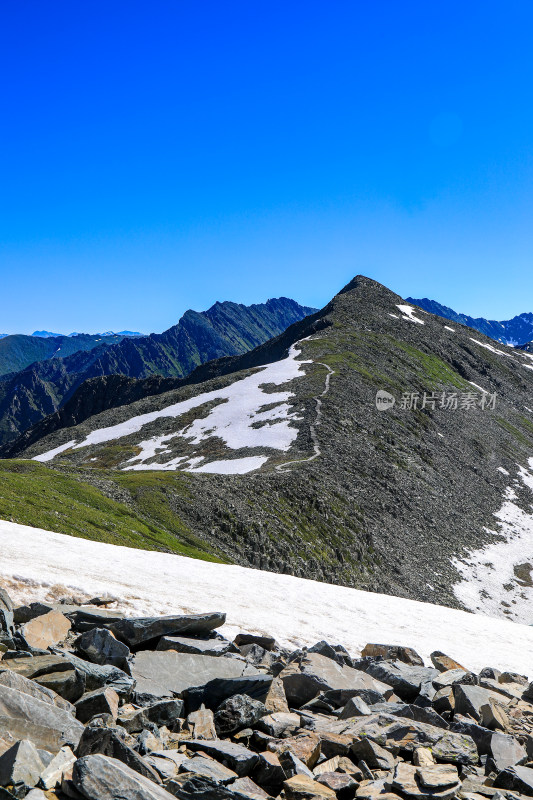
6,612
246,787
235,756
135,632
36,794
26,717
201,724
21,765
253,684
68,684
292,765
314,673
267,642
46,630
166,712
204,647
451,677
112,742
100,646
268,773
190,787
279,724
238,712
100,701
208,768
506,751
84,619
98,676
98,777
164,673
36,666
393,652
372,754
15,681
517,779
470,699
404,678
58,766
23,614
355,707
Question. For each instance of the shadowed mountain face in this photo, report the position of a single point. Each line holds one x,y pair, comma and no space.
284,459
516,331
18,351
33,393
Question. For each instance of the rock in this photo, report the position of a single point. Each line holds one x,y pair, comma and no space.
258,656
246,787
166,763
355,707
305,746
443,662
451,677
254,685
414,712
23,614
135,632
470,699
47,630
201,724
26,717
203,647
339,698
335,744
101,701
15,681
393,652
291,764
166,712
437,776
111,742
100,646
404,678
69,684
163,673
372,754
279,724
506,751
315,673
480,735
98,676
236,713
35,794
6,612
517,779
189,786
147,742
83,619
21,765
336,652
235,756
98,777
342,784
301,787
267,642
444,700
36,666
276,700
58,766
423,757
407,779
208,768
493,716
268,772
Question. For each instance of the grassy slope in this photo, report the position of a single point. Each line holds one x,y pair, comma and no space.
36,495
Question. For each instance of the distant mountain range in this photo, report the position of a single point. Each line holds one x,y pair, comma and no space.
49,334
515,331
39,374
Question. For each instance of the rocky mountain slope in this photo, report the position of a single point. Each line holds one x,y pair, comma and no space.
31,394
281,458
515,331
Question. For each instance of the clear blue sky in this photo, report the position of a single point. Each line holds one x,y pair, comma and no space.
159,156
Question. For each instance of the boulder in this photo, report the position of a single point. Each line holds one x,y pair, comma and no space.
342,784
276,699
165,712
68,684
470,699
279,724
453,677
443,662
111,742
517,779
355,707
303,679
100,646
246,787
58,766
21,765
100,701
201,724
6,612
135,632
409,780
405,679
268,772
208,768
372,754
83,619
25,717
189,786
252,683
305,746
267,642
47,630
301,787
98,676
14,680
238,712
202,647
393,652
506,751
235,756
164,673
98,777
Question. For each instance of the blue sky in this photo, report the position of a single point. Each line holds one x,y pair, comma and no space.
155,157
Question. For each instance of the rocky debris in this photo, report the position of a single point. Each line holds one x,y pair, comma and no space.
316,723
266,642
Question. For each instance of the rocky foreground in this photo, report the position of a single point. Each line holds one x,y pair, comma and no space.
97,706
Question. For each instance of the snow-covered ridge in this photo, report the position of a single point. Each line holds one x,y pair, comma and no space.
497,579
408,313
38,565
245,416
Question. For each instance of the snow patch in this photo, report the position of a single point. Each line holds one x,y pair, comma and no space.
408,313
447,328
41,565
52,453
491,348
235,466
